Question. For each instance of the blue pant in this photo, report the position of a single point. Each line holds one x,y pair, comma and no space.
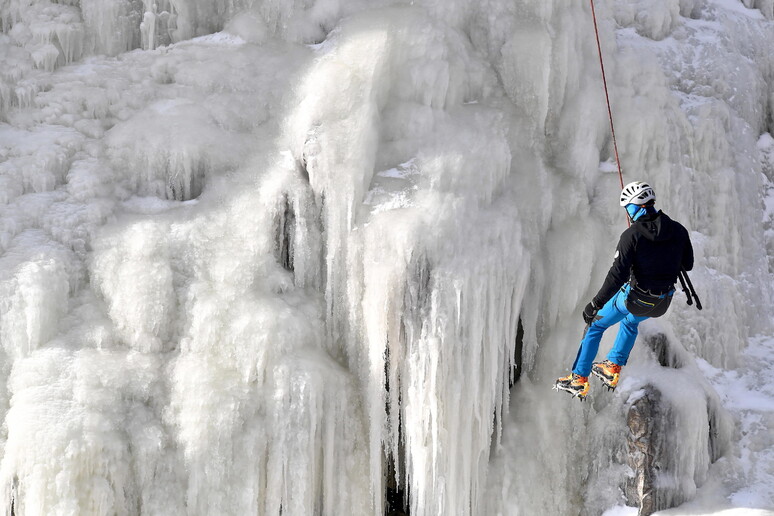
614,311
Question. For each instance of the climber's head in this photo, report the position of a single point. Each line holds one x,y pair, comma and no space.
638,198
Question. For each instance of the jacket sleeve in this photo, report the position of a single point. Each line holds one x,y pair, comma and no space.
687,262
621,269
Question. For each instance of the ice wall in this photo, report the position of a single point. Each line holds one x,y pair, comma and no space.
276,268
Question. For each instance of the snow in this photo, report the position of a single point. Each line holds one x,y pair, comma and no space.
748,394
620,510
256,257
713,512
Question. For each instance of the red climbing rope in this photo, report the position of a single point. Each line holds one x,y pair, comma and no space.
607,99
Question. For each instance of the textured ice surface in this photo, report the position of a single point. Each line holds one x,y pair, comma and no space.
257,256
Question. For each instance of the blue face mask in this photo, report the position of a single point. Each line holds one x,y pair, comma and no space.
635,211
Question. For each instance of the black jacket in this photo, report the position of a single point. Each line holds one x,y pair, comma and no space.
651,252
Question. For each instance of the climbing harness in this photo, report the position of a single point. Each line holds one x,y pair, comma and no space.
607,98
644,303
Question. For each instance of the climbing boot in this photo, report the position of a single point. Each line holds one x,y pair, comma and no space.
575,384
608,372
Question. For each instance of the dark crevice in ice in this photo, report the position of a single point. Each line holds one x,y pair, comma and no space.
285,232
659,344
302,169
395,494
416,305
396,499
716,446
182,187
518,359
14,489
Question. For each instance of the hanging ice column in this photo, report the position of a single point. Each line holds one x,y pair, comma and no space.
425,264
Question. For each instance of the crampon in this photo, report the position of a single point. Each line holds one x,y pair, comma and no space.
575,384
608,372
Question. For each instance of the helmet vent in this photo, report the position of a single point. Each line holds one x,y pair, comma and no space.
638,193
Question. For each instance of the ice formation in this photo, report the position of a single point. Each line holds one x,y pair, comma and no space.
270,257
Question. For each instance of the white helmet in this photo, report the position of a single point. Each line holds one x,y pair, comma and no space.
638,193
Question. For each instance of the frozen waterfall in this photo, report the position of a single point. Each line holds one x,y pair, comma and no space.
327,257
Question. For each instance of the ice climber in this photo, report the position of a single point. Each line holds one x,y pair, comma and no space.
639,285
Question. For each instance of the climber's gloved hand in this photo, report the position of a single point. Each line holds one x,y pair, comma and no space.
590,312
